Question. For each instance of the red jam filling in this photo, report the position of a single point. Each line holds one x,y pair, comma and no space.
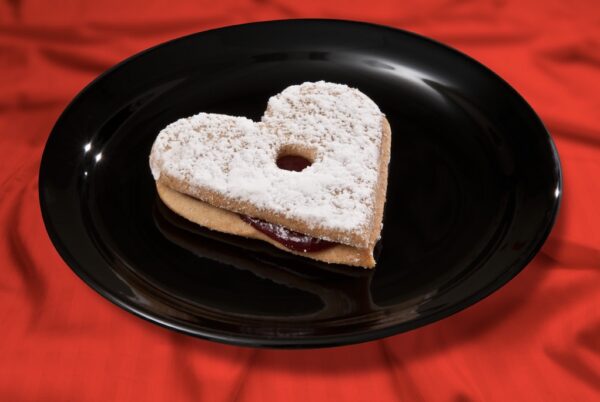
296,163
290,239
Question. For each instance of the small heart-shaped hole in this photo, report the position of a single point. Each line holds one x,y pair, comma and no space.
294,158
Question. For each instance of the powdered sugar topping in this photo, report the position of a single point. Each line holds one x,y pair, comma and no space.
235,156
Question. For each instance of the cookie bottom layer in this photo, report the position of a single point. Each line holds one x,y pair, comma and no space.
224,221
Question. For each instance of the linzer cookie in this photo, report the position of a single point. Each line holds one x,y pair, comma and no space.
309,178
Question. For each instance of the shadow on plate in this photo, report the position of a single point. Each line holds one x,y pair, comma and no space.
343,290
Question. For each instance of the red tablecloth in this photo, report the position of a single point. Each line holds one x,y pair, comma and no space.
537,339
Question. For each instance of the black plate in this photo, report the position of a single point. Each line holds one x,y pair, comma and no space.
474,186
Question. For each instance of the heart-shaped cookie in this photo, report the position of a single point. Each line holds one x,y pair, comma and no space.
231,162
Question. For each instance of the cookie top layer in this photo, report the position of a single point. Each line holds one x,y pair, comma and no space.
235,158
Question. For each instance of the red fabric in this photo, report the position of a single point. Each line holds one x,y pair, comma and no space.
537,339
